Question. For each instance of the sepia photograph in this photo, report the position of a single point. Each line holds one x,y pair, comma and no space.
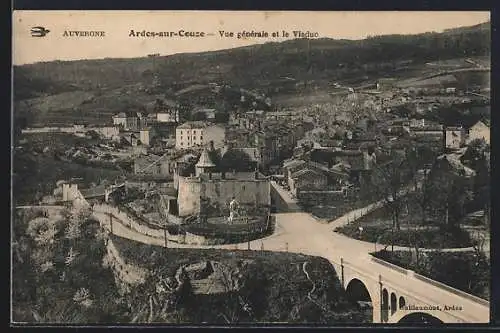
230,168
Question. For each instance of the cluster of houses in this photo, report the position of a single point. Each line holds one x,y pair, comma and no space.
316,159
322,166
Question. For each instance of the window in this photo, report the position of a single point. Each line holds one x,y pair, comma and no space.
194,138
181,132
194,131
182,143
201,137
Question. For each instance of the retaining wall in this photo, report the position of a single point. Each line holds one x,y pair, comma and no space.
131,223
128,275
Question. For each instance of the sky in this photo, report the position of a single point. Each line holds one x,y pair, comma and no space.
117,42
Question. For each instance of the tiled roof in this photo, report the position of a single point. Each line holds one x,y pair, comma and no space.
205,161
293,163
193,124
456,164
304,172
480,124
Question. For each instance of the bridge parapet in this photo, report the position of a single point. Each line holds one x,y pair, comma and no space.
401,292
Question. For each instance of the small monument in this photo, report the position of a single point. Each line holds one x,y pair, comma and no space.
233,210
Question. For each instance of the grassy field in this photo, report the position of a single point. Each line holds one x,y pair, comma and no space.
333,212
381,217
432,238
377,227
274,285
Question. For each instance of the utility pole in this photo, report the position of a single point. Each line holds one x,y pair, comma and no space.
392,235
248,234
165,234
110,222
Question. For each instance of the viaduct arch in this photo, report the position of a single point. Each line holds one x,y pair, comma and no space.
392,300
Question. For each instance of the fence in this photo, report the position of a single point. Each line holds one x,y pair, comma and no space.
227,229
187,234
130,222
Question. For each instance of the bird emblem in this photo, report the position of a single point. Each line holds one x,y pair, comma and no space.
39,32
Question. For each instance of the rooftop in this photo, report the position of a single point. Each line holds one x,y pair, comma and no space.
194,124
454,128
480,124
205,161
150,158
456,164
304,172
293,163
230,176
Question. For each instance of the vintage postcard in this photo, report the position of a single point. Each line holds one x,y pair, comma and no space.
224,168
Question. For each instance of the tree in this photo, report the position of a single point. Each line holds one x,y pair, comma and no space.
199,116
450,193
389,182
159,105
475,153
221,117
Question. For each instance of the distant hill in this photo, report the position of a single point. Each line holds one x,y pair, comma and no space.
275,68
486,26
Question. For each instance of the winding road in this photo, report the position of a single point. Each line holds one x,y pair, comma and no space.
299,232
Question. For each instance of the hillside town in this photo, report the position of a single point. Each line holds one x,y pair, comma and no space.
297,150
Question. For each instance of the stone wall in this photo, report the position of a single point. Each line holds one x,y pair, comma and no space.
188,198
194,239
321,197
70,192
126,274
247,192
131,223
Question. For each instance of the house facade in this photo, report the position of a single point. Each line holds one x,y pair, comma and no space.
129,120
145,135
167,117
307,179
154,165
454,137
248,188
479,131
199,133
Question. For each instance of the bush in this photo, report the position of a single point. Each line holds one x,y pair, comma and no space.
272,285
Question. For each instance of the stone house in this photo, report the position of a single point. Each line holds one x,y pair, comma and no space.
454,137
199,133
154,165
307,179
479,131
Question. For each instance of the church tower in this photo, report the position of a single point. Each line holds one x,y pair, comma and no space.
205,164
